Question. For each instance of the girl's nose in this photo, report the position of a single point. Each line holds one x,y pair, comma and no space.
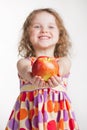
44,29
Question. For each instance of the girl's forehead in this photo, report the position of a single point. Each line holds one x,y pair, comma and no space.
43,16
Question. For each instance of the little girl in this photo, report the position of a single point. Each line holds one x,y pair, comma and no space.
43,105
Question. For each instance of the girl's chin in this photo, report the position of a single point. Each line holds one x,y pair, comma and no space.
44,44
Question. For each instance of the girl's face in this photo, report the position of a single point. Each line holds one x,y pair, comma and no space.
43,31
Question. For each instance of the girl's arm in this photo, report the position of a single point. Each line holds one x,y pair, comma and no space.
24,70
64,66
64,69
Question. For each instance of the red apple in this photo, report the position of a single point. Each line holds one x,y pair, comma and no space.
45,67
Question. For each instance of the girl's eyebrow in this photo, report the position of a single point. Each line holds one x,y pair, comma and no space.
40,23
35,24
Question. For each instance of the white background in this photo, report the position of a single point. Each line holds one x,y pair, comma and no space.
12,17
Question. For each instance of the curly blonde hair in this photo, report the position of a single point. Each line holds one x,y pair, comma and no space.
25,47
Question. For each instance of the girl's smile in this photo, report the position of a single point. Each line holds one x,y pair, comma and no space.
44,37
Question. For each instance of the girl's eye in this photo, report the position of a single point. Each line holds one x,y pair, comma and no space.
51,27
36,26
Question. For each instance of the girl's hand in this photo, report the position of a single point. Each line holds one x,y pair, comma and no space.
38,82
54,81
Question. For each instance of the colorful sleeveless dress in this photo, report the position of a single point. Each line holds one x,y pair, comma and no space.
42,109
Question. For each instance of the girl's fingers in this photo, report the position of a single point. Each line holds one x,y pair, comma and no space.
41,83
36,80
59,79
50,83
54,81
47,85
